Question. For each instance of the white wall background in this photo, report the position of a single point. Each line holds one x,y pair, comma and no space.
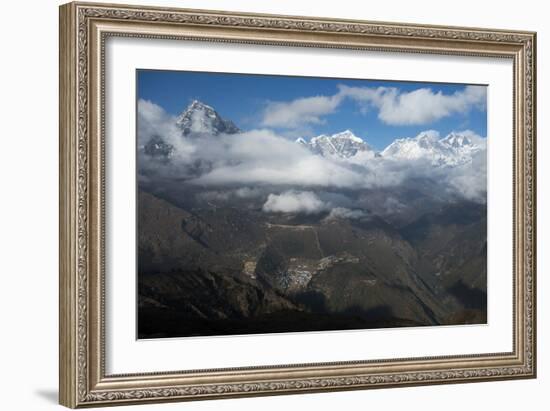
28,205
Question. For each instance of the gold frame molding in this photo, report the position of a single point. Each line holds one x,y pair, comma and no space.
84,27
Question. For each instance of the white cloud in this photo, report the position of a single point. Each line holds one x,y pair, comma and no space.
470,180
224,195
294,202
421,106
417,107
261,157
299,112
346,213
476,138
247,192
154,121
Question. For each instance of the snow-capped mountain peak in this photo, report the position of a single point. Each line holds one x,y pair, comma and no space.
457,140
201,119
340,145
412,148
427,139
348,134
454,149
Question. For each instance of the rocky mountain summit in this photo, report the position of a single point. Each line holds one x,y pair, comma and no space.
200,118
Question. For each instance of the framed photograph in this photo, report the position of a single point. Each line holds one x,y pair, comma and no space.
259,204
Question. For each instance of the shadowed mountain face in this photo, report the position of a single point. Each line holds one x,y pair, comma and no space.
211,271
234,239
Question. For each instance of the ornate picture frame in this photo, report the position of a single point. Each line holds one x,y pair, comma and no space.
84,30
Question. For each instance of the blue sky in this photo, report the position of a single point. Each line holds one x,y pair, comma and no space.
377,111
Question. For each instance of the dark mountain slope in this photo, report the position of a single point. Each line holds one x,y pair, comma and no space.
452,255
221,270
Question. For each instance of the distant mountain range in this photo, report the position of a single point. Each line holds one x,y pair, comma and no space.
200,119
454,149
